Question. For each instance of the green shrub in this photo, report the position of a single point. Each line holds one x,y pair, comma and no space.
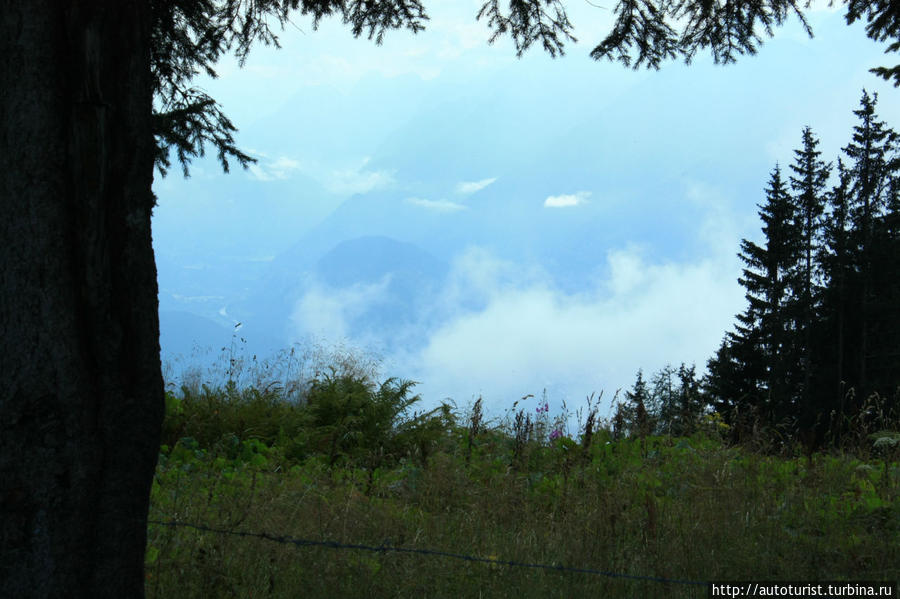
350,417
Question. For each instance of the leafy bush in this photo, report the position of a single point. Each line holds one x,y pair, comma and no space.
349,417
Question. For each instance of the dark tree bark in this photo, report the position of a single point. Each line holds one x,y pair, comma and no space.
81,400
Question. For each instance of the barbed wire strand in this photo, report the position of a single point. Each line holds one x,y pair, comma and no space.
288,540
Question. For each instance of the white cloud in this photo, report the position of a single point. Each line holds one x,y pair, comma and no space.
273,170
356,179
343,180
285,164
567,200
528,336
437,205
507,331
326,312
477,277
259,173
467,187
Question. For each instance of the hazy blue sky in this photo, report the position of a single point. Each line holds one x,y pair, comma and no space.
666,167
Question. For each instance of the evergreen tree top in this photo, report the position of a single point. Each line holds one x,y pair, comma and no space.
875,153
810,173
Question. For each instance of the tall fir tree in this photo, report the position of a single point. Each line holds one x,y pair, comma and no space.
822,328
753,374
768,279
638,418
873,152
830,338
690,404
809,184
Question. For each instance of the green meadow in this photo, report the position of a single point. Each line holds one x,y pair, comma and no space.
347,460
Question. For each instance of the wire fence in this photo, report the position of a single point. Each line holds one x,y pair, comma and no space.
289,540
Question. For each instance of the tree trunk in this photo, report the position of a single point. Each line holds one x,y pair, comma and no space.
82,398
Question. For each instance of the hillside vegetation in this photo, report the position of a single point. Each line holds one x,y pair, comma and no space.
344,460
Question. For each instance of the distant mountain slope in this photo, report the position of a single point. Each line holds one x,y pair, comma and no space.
370,258
385,213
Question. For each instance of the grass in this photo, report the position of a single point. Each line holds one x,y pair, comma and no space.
688,508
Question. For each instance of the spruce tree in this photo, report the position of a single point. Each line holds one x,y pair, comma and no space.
873,155
822,324
689,400
638,418
676,400
734,381
753,374
768,281
831,336
809,183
